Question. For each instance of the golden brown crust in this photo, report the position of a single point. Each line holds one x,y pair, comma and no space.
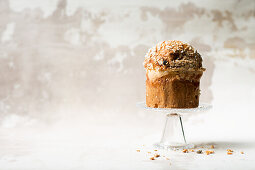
172,91
173,54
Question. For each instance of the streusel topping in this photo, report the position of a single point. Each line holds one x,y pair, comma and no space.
173,54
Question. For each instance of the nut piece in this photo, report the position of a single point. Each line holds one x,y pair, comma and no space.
242,152
152,158
229,150
155,150
199,152
209,152
185,150
212,146
229,153
157,155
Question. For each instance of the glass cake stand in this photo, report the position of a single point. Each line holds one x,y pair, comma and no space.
173,136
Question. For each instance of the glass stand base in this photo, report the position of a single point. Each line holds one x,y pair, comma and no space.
173,136
173,146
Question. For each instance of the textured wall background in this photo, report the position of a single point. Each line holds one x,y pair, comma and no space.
60,56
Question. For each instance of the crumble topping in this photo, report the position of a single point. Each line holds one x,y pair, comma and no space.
172,55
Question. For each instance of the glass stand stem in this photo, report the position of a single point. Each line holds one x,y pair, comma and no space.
182,129
173,134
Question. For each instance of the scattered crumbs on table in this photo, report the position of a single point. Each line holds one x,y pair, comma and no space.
229,150
209,152
185,150
156,155
199,152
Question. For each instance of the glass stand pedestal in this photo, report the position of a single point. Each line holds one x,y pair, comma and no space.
173,136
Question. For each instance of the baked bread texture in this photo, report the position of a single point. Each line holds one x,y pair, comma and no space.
173,72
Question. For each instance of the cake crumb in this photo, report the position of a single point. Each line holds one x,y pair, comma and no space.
199,152
155,150
185,151
229,150
167,159
191,150
242,152
138,150
209,152
212,146
229,153
157,155
149,152
152,158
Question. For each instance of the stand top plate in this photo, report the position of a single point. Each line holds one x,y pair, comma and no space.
201,108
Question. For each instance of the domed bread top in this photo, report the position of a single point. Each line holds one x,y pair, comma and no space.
173,55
